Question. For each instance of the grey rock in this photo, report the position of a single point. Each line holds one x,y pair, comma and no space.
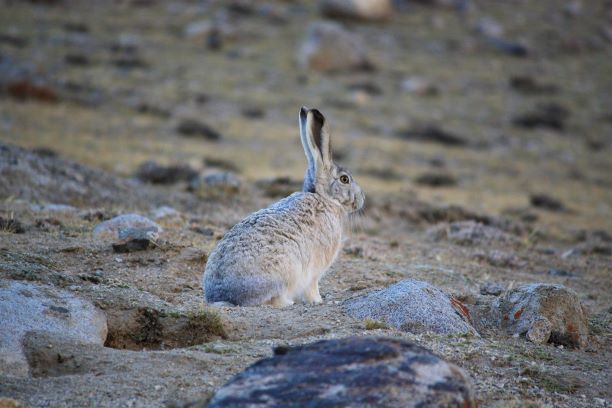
109,230
135,239
279,186
525,309
196,129
561,273
500,259
492,288
546,202
164,212
469,233
413,306
27,307
329,47
55,208
153,172
431,133
419,86
365,10
217,182
436,179
354,371
489,27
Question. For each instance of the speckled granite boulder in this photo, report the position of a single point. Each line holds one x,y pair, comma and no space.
543,313
109,230
355,372
413,306
28,307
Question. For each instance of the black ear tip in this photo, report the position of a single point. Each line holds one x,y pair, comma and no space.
303,112
318,116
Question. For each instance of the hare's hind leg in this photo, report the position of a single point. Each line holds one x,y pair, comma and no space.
312,294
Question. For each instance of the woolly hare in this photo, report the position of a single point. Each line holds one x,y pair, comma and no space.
277,255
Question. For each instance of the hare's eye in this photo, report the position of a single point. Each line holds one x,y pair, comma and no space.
344,179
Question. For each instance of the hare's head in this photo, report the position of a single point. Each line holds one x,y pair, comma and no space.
323,176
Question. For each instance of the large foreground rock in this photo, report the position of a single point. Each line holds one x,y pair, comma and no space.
28,307
329,47
413,306
354,371
543,313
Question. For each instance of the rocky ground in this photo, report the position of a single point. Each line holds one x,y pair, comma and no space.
480,133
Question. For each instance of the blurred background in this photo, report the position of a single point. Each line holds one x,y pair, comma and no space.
498,106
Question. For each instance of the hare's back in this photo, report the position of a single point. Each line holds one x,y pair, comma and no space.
280,229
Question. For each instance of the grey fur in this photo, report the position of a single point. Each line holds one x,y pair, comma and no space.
278,254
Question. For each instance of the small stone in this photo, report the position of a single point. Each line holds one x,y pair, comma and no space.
489,27
25,89
469,233
135,239
529,86
363,10
279,186
572,253
109,230
368,87
546,202
431,133
198,29
164,212
155,173
55,208
217,182
419,86
514,48
539,331
253,112
437,179
195,128
77,60
561,272
552,116
492,288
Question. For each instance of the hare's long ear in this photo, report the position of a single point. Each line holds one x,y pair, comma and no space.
309,177
316,146
320,138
